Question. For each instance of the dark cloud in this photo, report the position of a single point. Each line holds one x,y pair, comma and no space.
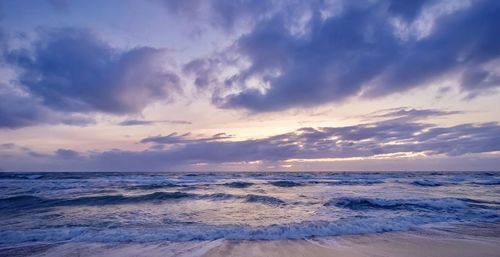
363,50
205,71
476,81
135,122
7,146
151,122
18,111
72,70
66,153
37,154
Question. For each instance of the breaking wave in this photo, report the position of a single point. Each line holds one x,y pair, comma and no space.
426,183
153,186
285,183
263,199
355,182
441,204
301,230
27,201
238,184
147,207
31,202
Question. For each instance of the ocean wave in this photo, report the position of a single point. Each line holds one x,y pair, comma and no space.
27,201
197,232
438,204
19,176
32,202
426,183
263,199
285,183
171,206
238,184
120,199
249,198
487,183
355,182
152,186
219,196
21,201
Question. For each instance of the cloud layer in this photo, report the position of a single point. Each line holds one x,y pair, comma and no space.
304,56
284,55
72,70
69,72
392,137
365,140
18,111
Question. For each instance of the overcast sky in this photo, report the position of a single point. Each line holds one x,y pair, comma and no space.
188,85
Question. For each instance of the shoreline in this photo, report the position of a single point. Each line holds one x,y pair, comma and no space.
445,241
462,241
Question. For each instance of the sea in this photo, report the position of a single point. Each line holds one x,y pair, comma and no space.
146,207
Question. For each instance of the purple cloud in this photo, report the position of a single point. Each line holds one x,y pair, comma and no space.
72,70
364,140
356,52
18,111
151,122
175,138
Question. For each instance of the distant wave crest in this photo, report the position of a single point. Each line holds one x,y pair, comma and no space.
263,199
285,183
238,184
441,204
31,202
426,183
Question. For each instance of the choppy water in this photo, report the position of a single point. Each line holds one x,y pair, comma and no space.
153,207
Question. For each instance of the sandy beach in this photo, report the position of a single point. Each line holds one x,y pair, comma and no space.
409,244
450,242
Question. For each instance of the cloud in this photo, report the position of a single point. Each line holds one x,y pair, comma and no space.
72,70
305,58
151,122
363,140
390,139
204,70
7,146
175,138
66,153
408,114
18,111
476,81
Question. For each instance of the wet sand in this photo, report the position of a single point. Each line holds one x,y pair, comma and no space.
409,244
465,241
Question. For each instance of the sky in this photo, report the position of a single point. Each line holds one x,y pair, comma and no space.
239,85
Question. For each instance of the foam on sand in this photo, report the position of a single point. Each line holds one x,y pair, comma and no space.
396,244
442,242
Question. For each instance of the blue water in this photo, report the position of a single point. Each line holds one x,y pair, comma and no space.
155,207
